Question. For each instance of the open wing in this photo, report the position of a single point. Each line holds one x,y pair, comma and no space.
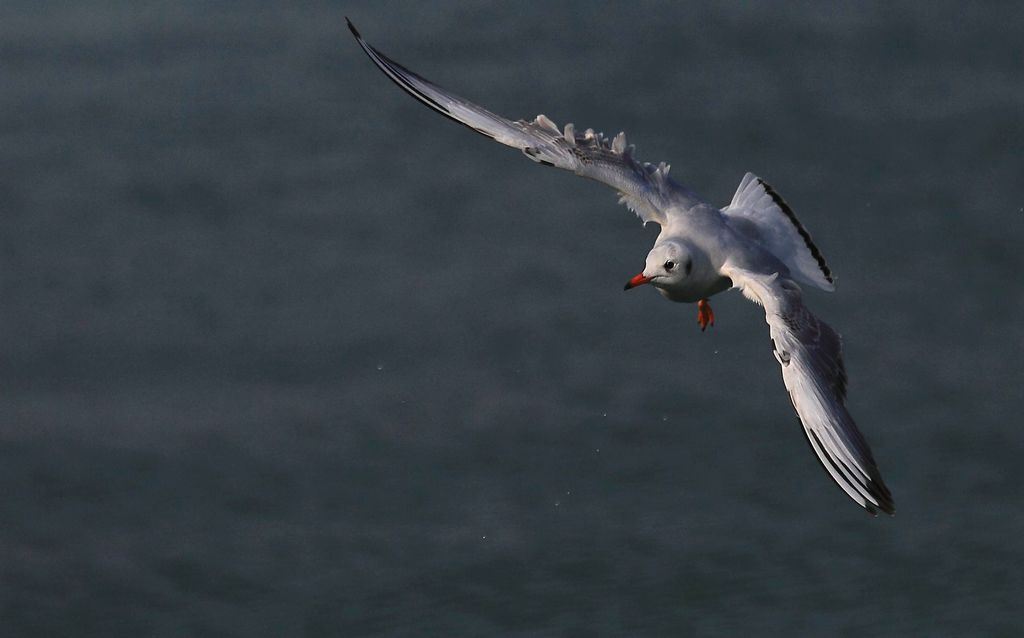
809,352
646,189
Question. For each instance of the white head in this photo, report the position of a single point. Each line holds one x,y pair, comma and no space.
668,265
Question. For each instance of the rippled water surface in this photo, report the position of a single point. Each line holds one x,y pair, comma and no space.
284,353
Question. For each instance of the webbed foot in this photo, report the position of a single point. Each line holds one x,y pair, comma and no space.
705,316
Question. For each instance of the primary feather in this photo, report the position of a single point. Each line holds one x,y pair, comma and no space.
755,244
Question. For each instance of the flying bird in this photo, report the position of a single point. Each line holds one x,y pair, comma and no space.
755,244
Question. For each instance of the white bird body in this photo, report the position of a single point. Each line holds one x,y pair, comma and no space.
693,240
755,244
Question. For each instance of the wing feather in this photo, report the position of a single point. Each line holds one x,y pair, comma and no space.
646,189
809,352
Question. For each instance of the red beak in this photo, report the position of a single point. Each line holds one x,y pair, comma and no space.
636,281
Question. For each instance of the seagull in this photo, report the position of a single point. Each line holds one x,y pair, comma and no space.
755,244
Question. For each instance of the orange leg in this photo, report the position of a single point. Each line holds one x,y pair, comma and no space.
705,316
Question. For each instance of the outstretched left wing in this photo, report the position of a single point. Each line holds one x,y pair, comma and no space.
809,352
645,188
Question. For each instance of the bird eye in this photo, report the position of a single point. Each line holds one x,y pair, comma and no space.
669,265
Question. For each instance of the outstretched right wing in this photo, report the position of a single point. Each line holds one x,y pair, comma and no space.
809,352
646,189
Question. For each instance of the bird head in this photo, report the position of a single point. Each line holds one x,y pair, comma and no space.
668,265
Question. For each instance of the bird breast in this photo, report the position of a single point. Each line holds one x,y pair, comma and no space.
691,290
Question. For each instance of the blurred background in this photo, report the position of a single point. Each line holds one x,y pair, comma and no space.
284,353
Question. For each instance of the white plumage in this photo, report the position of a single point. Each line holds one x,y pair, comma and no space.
755,244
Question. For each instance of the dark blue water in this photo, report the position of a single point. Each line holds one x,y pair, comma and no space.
284,353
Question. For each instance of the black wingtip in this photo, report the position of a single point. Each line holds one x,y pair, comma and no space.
352,28
885,501
887,504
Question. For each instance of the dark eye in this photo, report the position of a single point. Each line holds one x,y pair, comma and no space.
689,266
669,265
